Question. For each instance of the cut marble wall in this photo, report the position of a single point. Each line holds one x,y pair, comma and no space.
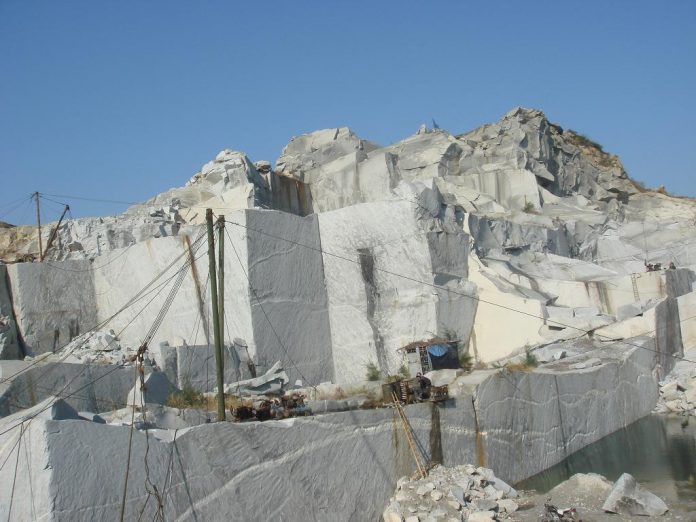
9,344
687,318
374,312
289,303
96,388
517,423
52,303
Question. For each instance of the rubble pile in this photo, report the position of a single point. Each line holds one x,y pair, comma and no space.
100,347
678,389
465,492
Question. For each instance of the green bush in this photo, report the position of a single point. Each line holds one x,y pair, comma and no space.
373,373
530,359
404,372
466,361
528,207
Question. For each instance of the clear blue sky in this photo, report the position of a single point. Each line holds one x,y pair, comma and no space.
122,100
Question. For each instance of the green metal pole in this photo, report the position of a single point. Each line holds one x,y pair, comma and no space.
221,295
216,317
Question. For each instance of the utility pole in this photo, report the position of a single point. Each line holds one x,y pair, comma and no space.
216,317
221,297
38,223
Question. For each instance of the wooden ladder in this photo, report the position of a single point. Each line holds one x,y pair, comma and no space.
409,435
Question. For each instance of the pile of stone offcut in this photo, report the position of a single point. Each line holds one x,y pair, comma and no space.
678,389
461,493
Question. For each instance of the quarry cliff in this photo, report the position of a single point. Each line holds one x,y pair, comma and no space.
516,242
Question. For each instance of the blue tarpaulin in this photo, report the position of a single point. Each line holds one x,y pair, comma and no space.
438,350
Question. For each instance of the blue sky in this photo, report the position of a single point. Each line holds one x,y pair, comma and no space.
122,100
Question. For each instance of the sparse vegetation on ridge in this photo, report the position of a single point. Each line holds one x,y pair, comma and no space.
582,140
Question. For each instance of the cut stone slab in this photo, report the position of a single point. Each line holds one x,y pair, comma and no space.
271,382
504,487
627,497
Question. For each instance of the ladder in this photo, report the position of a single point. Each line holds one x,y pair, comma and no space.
636,295
409,435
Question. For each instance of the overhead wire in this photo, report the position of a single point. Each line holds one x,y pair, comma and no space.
96,200
142,293
22,210
13,206
150,487
60,395
14,477
130,449
436,286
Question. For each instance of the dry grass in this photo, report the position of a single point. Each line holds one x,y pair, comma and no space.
189,398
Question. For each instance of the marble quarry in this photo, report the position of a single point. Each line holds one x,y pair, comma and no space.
338,466
518,240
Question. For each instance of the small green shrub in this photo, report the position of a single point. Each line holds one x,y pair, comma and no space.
530,359
528,207
466,361
404,372
373,373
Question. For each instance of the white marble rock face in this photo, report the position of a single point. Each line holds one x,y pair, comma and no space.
519,238
518,222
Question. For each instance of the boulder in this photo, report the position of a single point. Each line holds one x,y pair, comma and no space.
670,391
627,497
481,516
484,504
503,487
392,516
507,505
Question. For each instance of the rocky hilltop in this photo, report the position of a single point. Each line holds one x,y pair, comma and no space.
518,243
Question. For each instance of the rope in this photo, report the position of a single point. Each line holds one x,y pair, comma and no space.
58,396
14,478
408,430
115,201
137,297
15,205
130,446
